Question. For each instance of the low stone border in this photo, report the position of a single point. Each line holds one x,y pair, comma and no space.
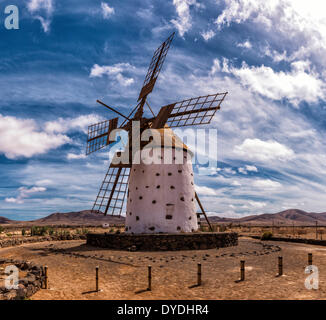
297,240
28,285
11,242
163,242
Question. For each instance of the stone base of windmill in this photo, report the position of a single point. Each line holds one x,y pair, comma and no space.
163,242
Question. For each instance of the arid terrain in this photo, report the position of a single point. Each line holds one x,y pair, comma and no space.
123,275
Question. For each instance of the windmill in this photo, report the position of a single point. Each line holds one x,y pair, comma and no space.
160,197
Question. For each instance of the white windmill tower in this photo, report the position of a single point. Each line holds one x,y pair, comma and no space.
160,194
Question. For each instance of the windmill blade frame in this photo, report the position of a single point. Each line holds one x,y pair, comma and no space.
112,193
155,67
189,112
99,133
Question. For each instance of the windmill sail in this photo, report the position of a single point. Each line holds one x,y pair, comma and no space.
98,135
111,196
194,111
155,67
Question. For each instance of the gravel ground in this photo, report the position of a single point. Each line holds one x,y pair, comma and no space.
123,275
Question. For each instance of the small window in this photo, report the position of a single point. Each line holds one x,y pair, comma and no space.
158,187
154,201
182,198
169,174
130,213
172,187
179,171
140,198
168,217
178,228
152,228
137,218
157,174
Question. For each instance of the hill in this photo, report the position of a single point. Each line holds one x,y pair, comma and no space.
86,217
286,217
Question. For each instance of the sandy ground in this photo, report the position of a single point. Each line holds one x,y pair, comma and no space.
123,275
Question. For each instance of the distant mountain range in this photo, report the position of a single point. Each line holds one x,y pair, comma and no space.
86,217
286,217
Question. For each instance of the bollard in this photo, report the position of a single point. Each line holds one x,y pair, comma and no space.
199,274
280,266
96,279
45,277
149,278
309,259
242,270
316,230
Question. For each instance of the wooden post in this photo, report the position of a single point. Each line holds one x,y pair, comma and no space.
316,229
96,278
199,274
149,278
309,259
280,266
242,270
46,277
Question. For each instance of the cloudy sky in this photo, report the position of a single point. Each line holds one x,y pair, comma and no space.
269,55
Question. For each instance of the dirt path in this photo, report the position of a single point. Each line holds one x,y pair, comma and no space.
123,275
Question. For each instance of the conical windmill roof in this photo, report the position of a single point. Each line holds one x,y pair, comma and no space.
168,139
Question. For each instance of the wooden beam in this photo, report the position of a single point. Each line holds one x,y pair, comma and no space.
112,191
110,108
203,211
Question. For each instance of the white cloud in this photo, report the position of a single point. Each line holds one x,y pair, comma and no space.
183,22
246,45
205,191
266,184
208,35
42,10
264,150
251,168
300,23
35,5
257,204
22,138
73,156
25,193
107,11
229,171
236,183
44,182
115,71
247,168
242,170
69,124
299,84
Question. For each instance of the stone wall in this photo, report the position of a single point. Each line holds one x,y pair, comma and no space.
163,242
30,284
296,240
12,241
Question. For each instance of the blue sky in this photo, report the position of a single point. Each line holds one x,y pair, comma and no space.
269,55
